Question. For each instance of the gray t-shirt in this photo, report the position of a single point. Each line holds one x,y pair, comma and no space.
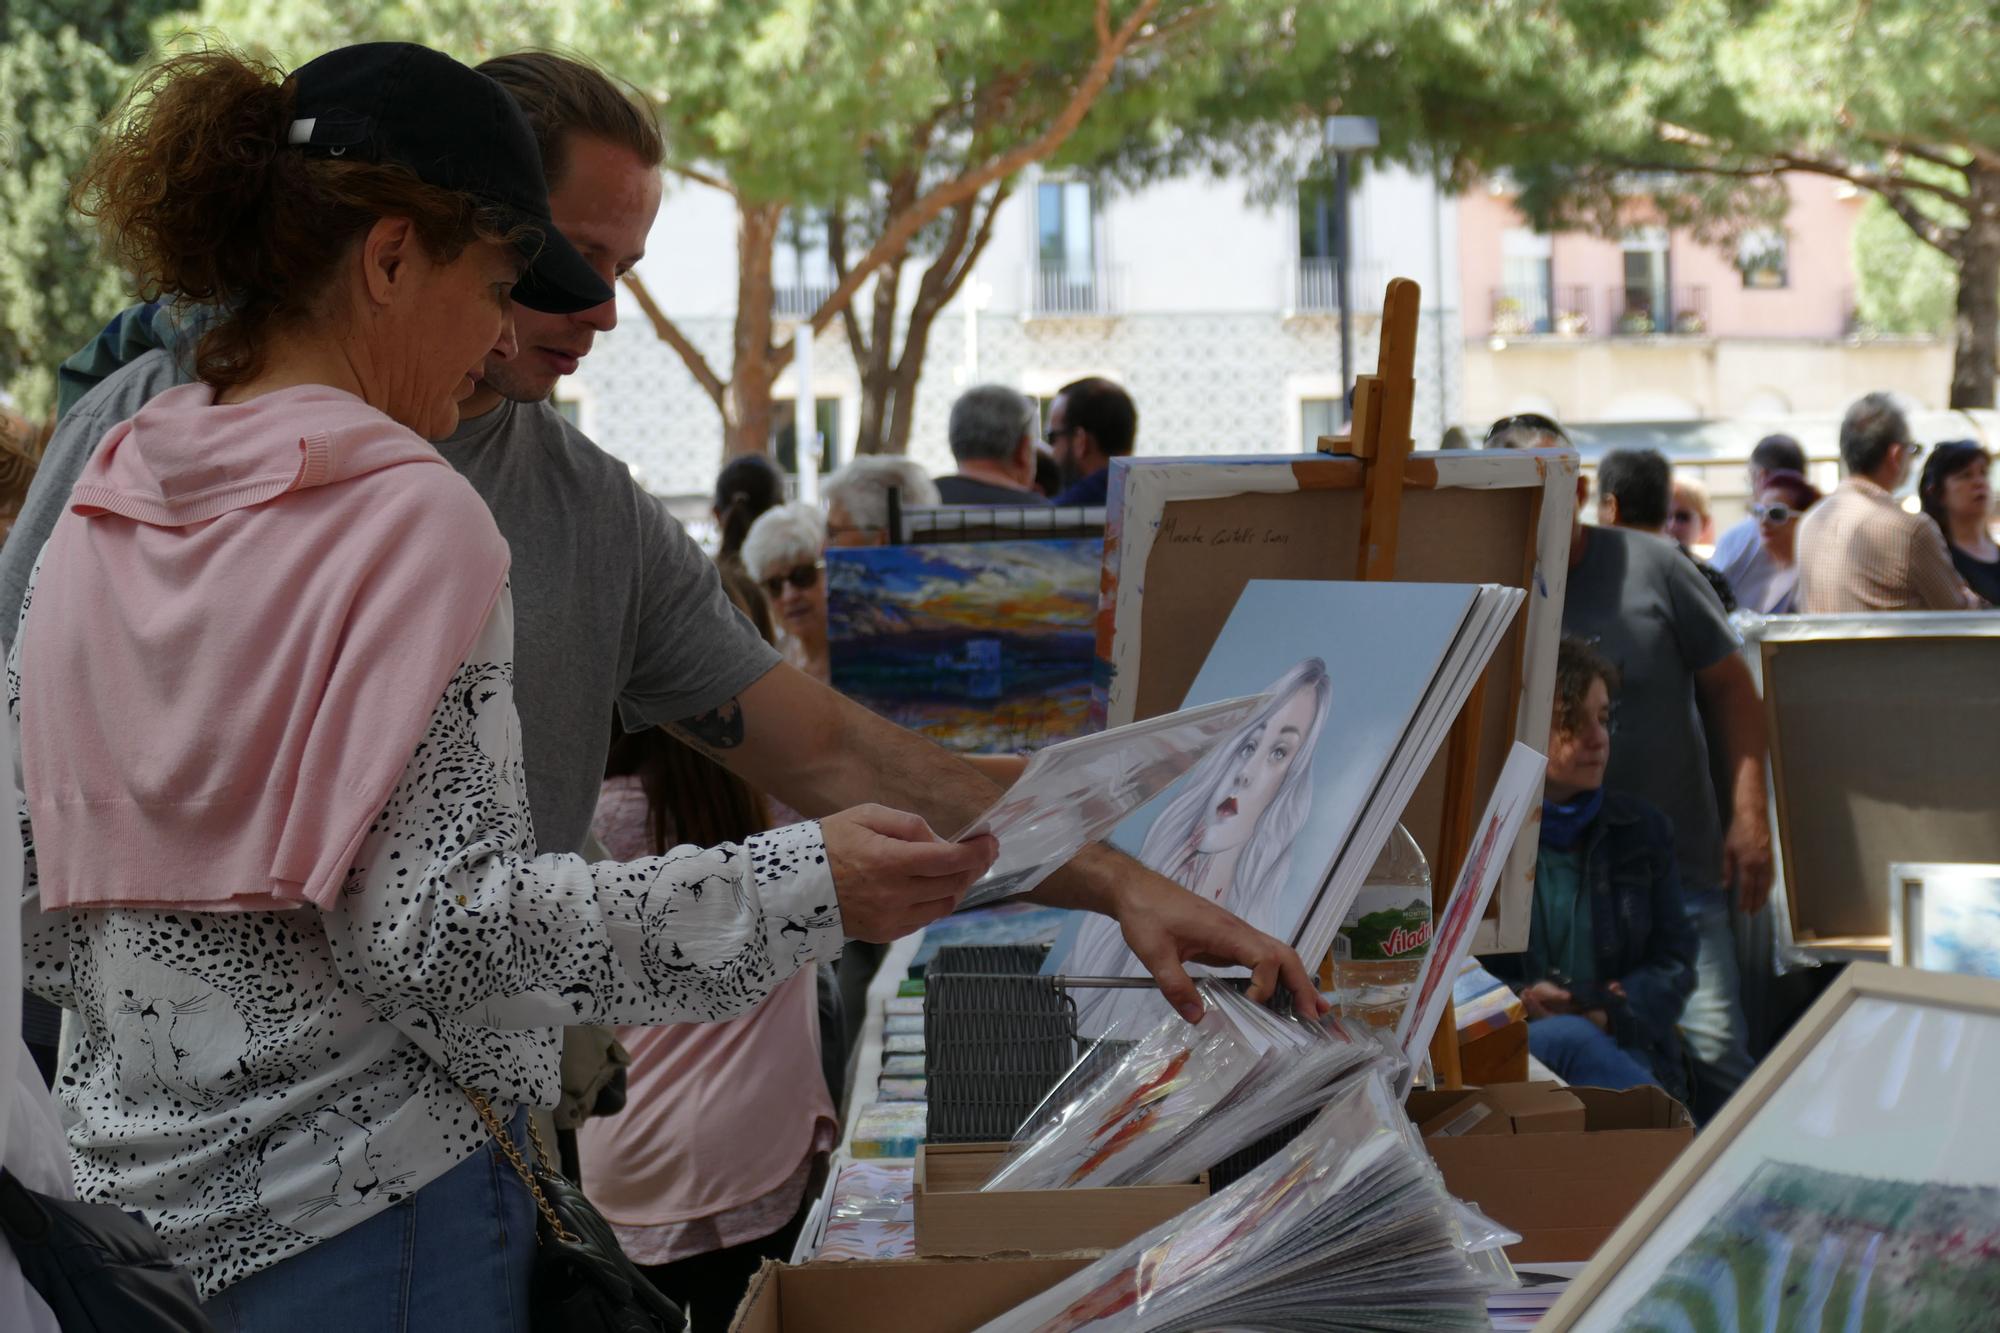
614,604
1648,609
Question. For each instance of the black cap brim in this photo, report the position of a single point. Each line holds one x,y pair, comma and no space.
557,281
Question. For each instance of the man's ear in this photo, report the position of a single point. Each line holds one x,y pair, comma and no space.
1607,511
385,257
1024,459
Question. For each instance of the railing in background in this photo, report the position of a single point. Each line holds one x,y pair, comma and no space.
1312,287
1657,312
1065,290
799,300
1522,309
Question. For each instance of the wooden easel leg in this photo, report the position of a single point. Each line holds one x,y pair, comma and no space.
1460,793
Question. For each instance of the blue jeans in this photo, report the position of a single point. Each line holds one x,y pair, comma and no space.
1582,1053
456,1254
1713,1024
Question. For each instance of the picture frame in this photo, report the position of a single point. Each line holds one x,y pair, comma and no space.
1945,917
1846,800
1208,526
1820,1109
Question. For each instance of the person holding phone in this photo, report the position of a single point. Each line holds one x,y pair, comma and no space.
1610,958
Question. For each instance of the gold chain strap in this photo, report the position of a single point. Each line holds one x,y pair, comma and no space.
507,1146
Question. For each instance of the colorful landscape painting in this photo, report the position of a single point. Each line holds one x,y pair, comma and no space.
985,647
1812,1251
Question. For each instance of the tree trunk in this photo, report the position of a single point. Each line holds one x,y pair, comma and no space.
909,369
889,394
877,367
747,413
1978,319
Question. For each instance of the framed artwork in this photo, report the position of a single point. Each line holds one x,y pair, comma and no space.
1852,1183
1206,527
1881,730
985,647
1945,918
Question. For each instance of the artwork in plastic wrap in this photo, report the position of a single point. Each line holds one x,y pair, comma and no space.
1073,794
1809,1249
1348,1226
1184,1097
871,1215
1279,822
1945,918
1517,795
984,647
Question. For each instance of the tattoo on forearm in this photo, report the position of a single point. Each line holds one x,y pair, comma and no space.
718,729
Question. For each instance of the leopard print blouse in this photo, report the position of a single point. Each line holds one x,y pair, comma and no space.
256,1082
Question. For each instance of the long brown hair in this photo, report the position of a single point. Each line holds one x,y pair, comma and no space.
197,196
689,797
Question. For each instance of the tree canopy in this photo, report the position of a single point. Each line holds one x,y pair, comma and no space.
1700,104
62,66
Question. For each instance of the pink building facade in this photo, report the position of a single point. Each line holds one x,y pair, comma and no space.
1792,282
1655,325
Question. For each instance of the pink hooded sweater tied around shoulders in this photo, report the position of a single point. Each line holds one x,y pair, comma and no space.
239,631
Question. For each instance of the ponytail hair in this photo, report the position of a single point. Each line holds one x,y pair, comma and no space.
198,194
747,486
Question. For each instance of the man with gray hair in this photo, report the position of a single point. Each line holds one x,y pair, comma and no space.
1858,549
993,439
857,497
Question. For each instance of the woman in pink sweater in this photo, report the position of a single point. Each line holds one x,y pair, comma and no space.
274,808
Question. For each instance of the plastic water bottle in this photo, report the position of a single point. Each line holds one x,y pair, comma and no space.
1382,944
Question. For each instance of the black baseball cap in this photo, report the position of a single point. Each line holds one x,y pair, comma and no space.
396,102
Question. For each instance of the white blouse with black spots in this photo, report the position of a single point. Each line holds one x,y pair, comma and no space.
257,1082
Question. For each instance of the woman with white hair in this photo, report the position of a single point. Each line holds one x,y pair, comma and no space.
857,497
1227,833
785,554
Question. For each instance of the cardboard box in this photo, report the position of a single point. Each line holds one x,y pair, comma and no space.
1496,1056
1562,1166
955,1218
908,1295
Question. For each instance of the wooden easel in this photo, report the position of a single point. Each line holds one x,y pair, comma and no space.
1379,437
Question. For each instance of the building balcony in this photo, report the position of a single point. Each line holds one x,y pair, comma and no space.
1312,287
1069,291
799,300
1640,312
1575,311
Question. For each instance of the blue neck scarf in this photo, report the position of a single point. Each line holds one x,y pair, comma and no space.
1563,823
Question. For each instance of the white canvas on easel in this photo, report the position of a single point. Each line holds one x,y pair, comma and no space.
1280,822
1206,527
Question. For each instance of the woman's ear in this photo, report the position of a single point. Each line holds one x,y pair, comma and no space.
386,252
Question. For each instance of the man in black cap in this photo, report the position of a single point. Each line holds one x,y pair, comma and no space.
614,604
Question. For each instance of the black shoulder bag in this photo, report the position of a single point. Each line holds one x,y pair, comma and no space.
583,1281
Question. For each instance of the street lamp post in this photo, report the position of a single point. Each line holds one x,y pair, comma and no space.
1345,136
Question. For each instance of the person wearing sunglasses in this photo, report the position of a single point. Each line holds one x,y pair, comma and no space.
1780,502
1526,430
1860,551
786,554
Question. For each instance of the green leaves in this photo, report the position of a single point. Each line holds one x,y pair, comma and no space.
56,84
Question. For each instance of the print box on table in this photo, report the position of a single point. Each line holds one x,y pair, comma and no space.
954,1217
1562,1166
907,1295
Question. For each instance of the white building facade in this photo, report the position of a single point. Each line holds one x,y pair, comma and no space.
1217,313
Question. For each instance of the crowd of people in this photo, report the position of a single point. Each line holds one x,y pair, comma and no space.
389,761
1652,846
